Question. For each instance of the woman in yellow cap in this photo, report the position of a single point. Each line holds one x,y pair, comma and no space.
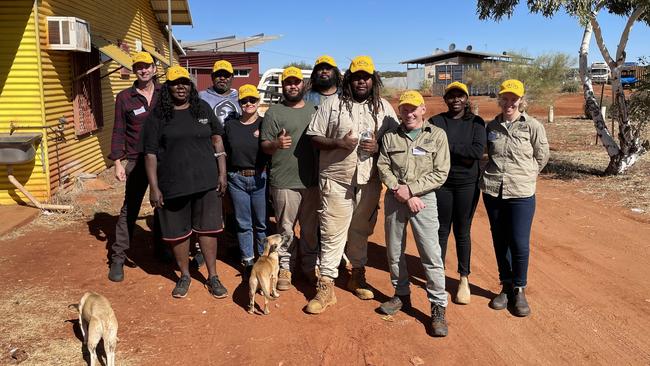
186,169
247,175
518,151
458,197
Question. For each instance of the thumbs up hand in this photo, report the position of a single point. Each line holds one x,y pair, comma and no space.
284,140
348,142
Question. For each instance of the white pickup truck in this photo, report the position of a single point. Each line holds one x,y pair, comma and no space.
600,73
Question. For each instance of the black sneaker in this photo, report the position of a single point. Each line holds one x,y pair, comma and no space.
215,287
182,286
438,321
116,273
395,304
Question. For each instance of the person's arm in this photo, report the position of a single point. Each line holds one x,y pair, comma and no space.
118,140
151,167
540,144
386,174
474,151
220,153
273,137
437,177
347,142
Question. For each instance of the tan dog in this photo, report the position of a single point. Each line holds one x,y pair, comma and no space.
264,275
97,321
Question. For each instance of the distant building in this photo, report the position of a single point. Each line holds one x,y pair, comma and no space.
445,67
246,66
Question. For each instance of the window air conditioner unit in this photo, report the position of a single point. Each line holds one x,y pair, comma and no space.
68,33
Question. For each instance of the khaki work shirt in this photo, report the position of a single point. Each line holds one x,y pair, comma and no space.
333,120
422,164
516,156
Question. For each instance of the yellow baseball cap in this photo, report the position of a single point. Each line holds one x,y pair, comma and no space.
362,63
291,72
513,86
325,59
144,57
177,72
411,97
248,90
222,65
457,85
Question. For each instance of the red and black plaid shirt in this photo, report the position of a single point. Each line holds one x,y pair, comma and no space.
131,110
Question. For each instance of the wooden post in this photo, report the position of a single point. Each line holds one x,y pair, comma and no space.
551,116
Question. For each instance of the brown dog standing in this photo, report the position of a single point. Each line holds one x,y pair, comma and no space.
264,275
97,321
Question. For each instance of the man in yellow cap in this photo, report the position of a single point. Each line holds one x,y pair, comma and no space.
413,162
223,99
293,175
346,129
132,107
325,80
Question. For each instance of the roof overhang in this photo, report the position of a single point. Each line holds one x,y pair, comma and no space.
180,11
228,44
447,55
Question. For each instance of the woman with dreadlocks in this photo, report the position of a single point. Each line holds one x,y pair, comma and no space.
186,168
346,129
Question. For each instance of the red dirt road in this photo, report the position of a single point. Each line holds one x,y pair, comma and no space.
589,290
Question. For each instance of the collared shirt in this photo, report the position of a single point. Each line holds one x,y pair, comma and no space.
131,110
333,120
516,156
422,164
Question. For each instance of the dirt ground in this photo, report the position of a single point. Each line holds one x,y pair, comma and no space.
589,291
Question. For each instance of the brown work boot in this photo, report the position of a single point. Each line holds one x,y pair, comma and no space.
438,321
357,284
284,280
324,297
521,307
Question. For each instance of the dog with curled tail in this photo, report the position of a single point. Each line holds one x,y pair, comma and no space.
97,321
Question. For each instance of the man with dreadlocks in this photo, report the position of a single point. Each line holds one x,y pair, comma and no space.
346,130
324,82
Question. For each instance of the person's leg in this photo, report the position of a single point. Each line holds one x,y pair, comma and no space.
241,199
135,188
422,224
337,205
181,251
396,216
445,199
207,221
258,204
362,223
308,218
464,205
498,214
286,203
523,210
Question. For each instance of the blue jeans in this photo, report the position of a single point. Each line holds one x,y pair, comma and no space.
510,223
249,201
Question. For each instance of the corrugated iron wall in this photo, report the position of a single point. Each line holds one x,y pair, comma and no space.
21,101
121,20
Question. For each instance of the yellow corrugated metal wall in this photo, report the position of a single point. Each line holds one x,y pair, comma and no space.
121,20
21,100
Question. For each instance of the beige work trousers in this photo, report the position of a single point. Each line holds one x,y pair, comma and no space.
348,214
291,206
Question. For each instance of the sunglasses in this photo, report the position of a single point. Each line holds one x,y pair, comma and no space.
249,100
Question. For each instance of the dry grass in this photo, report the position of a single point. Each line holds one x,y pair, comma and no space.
34,320
576,156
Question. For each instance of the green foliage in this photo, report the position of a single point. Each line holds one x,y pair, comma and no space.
392,74
425,87
544,77
299,64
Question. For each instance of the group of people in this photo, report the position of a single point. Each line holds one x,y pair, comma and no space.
322,155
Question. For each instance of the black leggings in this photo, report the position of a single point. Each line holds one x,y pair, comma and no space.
456,204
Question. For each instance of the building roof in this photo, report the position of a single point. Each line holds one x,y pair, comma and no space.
228,44
450,54
180,11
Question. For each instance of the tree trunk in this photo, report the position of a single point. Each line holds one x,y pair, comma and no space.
621,157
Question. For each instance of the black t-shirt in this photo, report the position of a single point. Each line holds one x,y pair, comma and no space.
467,140
242,144
183,146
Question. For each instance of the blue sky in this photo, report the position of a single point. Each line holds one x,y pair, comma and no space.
391,33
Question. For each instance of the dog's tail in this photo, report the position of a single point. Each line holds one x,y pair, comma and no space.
74,307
